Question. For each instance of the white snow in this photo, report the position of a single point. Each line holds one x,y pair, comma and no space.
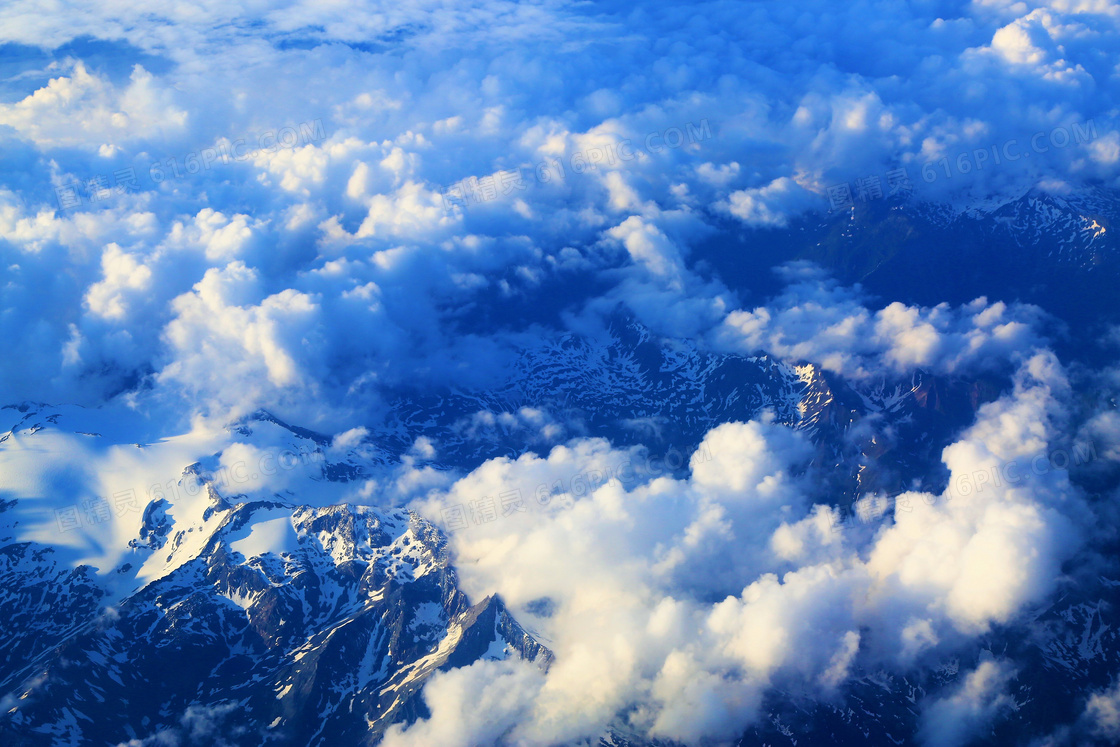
271,531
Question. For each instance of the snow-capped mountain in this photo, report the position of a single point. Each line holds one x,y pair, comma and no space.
297,624
272,568
305,611
1057,250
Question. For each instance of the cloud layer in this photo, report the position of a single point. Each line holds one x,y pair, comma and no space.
682,602
207,209
204,206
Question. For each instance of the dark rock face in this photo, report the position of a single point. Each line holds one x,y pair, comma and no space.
274,622
327,641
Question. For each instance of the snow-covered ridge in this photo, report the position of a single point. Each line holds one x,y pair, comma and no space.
256,561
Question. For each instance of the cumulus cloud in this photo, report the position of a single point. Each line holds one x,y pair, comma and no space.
211,270
527,424
258,343
1102,713
815,319
981,698
85,109
629,165
682,602
942,551
770,205
624,564
492,695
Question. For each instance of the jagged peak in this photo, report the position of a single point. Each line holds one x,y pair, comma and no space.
243,425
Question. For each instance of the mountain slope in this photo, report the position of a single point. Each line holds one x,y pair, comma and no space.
306,625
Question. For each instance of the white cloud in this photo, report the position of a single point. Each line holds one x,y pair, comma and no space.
981,550
632,567
472,706
260,344
815,319
305,279
84,109
1103,713
770,205
123,275
978,701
